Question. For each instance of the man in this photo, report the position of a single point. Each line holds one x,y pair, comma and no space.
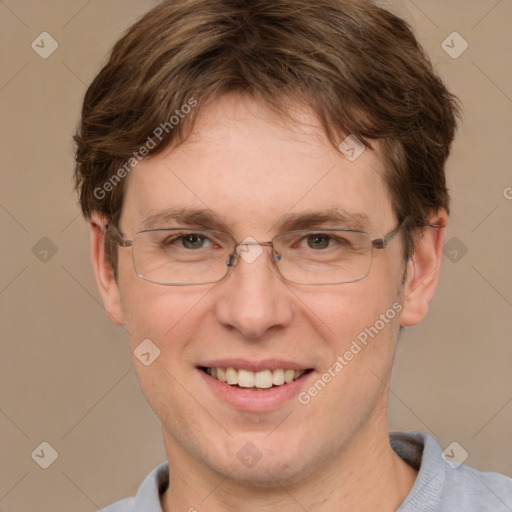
265,188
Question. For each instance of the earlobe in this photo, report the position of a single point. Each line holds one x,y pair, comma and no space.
107,284
423,270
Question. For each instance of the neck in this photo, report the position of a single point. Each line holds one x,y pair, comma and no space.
367,476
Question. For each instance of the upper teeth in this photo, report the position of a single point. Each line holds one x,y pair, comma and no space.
247,379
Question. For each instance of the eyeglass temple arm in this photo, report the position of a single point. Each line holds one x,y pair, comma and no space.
118,236
382,243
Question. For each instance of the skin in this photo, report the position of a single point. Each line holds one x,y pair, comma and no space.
251,168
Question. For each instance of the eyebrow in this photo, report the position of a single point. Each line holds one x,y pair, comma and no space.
206,219
200,218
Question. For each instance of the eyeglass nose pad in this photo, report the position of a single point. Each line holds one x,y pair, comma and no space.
231,261
233,258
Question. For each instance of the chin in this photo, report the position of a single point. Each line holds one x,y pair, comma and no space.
266,473
256,461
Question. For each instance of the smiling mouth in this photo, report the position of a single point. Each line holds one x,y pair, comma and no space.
246,379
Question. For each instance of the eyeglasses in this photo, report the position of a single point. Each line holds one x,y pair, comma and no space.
186,256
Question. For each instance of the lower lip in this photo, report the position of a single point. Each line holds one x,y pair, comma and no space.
253,400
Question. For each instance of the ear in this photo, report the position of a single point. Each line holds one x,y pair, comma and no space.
103,270
423,271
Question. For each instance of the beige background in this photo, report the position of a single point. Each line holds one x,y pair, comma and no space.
65,374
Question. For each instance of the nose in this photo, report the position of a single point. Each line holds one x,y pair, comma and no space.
253,299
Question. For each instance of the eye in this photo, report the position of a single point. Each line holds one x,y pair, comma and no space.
318,241
187,240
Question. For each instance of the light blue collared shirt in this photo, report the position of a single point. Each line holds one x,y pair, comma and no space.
439,486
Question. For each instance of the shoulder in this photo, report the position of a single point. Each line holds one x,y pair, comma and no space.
443,484
476,490
124,505
147,498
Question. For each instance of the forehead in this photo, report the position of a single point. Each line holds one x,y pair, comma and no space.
253,170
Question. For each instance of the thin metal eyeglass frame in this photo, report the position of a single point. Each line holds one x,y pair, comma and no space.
377,243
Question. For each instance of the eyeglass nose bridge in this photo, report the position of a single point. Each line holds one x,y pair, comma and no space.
234,256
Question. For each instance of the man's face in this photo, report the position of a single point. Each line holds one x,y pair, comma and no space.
249,169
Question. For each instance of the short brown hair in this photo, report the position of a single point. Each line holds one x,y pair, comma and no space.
358,66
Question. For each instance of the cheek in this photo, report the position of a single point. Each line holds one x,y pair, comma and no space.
358,360
158,316
340,313
358,324
150,310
